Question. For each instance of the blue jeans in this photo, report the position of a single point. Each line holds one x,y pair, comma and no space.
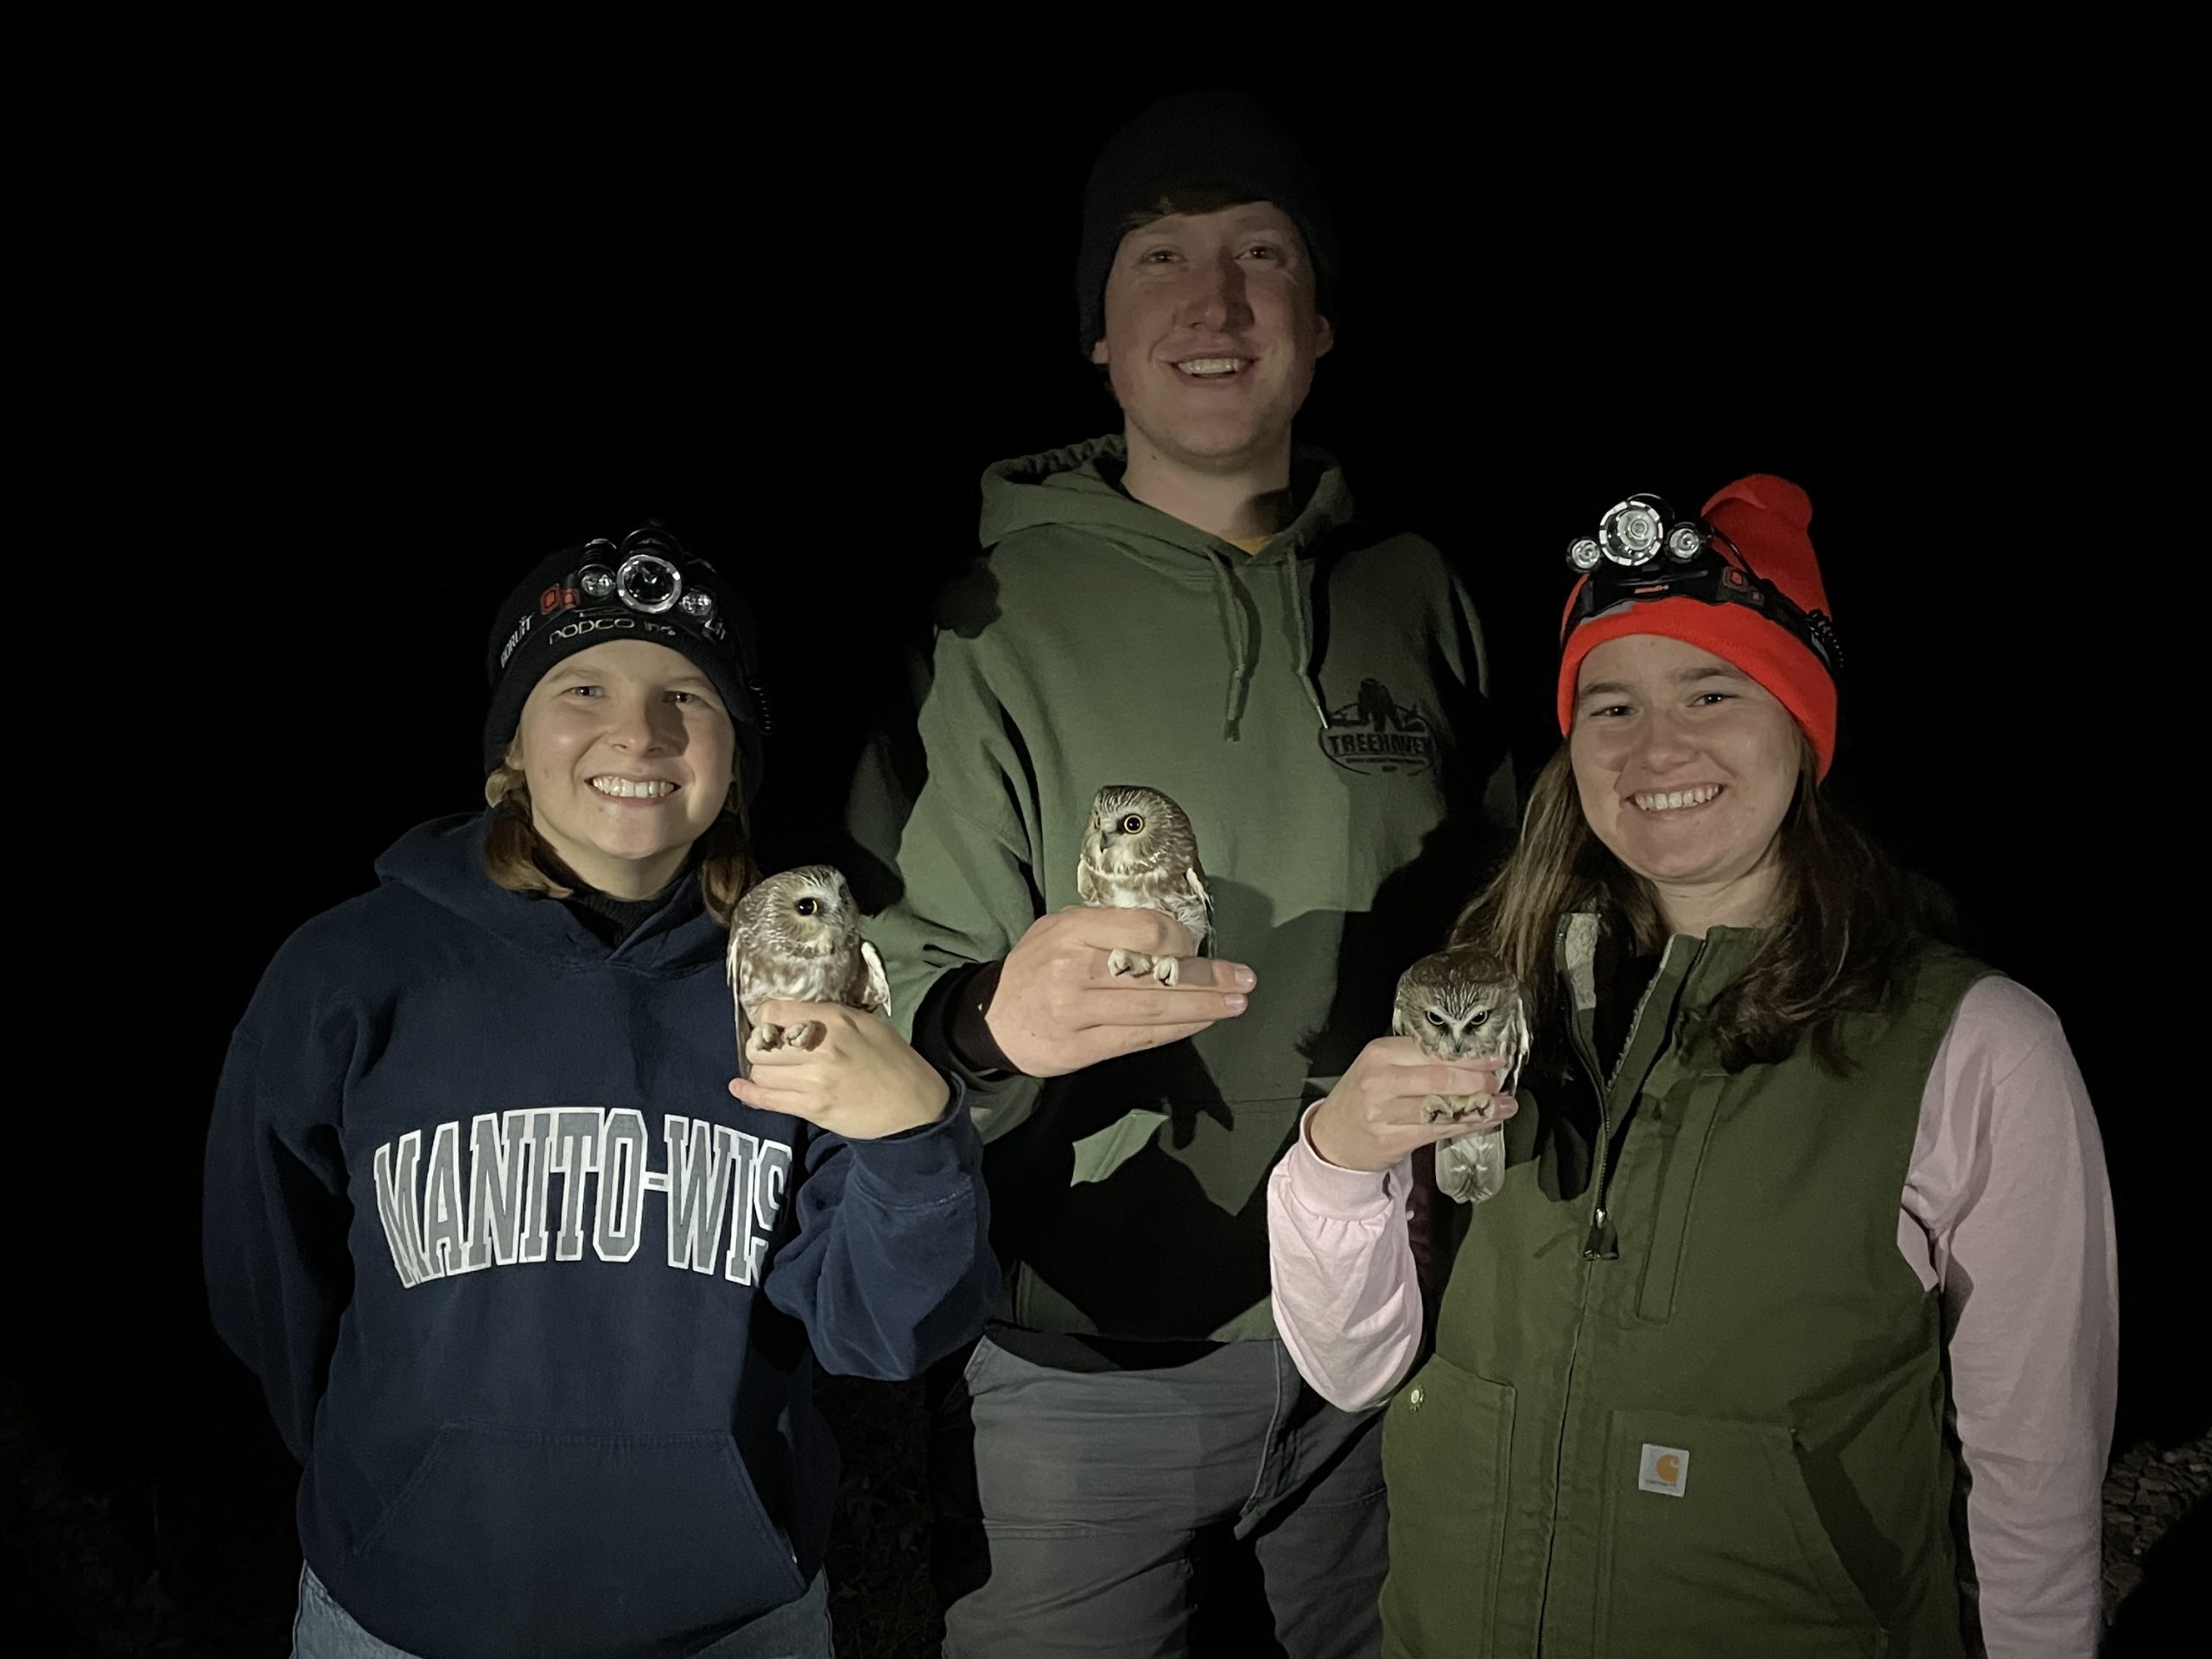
798,1630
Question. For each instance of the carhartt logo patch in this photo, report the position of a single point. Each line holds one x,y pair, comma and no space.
1665,1469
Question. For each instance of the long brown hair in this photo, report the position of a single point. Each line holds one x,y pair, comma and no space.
518,859
1848,923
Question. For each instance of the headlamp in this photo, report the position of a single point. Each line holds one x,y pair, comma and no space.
1701,563
641,571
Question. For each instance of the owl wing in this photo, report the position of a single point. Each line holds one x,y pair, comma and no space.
1195,879
1515,1045
1086,884
733,971
744,1035
875,996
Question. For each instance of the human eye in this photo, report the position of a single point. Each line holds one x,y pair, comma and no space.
1157,256
1607,711
1712,699
585,690
1264,250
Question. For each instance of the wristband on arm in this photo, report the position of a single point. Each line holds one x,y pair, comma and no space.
967,1030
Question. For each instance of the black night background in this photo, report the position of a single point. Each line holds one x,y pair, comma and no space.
336,382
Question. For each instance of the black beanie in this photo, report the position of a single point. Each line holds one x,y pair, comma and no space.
647,586
1217,140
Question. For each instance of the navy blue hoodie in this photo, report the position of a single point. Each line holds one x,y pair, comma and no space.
531,1294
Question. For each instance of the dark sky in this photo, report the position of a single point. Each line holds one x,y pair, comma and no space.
371,368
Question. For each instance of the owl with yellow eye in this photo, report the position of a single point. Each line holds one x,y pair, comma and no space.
1140,853
797,937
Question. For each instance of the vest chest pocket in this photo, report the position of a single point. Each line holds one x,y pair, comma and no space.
1446,1440
1684,1155
1713,1548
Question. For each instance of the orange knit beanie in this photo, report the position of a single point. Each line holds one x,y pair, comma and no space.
1765,519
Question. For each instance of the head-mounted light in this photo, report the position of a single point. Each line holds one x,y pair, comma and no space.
642,571
1701,563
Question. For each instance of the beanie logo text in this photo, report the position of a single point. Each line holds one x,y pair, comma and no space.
1376,732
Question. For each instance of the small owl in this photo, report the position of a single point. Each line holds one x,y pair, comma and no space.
1139,854
797,936
1462,1004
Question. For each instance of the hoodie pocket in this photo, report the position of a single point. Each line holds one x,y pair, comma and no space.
572,1543
1447,1440
1712,1545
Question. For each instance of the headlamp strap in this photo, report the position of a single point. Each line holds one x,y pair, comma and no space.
1714,573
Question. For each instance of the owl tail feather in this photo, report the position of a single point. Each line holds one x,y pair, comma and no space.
1471,1167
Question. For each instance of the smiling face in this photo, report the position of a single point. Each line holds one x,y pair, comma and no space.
1686,767
1211,335
629,755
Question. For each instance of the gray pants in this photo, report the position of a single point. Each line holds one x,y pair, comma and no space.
799,1630
1075,1508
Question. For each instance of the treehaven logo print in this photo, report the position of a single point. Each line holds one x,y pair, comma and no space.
1376,732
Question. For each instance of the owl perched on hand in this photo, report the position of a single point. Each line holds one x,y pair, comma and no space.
1463,1004
797,936
1139,854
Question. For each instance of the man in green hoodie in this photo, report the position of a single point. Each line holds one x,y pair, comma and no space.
1194,607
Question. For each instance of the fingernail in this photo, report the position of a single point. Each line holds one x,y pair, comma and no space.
1234,1003
1245,978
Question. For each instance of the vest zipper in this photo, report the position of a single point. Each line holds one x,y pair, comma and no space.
1559,1455
1603,1241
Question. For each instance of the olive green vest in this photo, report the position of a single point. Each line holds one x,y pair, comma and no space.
1687,1400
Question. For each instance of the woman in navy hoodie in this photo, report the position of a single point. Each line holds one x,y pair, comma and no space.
534,1290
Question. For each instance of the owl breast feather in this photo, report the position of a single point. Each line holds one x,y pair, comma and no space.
1171,894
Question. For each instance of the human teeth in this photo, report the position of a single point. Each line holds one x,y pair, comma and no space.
1212,366
1668,800
649,789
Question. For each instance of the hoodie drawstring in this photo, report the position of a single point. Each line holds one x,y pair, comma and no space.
1236,630
1301,606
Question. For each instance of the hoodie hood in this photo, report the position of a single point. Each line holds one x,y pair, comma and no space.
1080,487
443,861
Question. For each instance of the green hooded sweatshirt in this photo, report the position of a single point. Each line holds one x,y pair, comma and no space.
1318,710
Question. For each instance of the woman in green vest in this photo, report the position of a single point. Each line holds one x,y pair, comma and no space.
1791,1333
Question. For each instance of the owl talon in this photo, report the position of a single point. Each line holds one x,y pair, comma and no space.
806,1036
767,1038
1459,1109
1119,963
1167,969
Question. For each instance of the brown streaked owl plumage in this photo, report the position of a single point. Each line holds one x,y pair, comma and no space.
797,936
1464,1004
1140,853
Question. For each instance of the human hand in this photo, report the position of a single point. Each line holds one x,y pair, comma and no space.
1058,1009
1377,1113
860,1079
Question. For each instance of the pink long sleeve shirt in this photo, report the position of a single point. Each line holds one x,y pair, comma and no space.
2006,1210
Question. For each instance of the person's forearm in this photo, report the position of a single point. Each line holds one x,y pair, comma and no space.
968,1027
1347,1302
998,1095
2008,1179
